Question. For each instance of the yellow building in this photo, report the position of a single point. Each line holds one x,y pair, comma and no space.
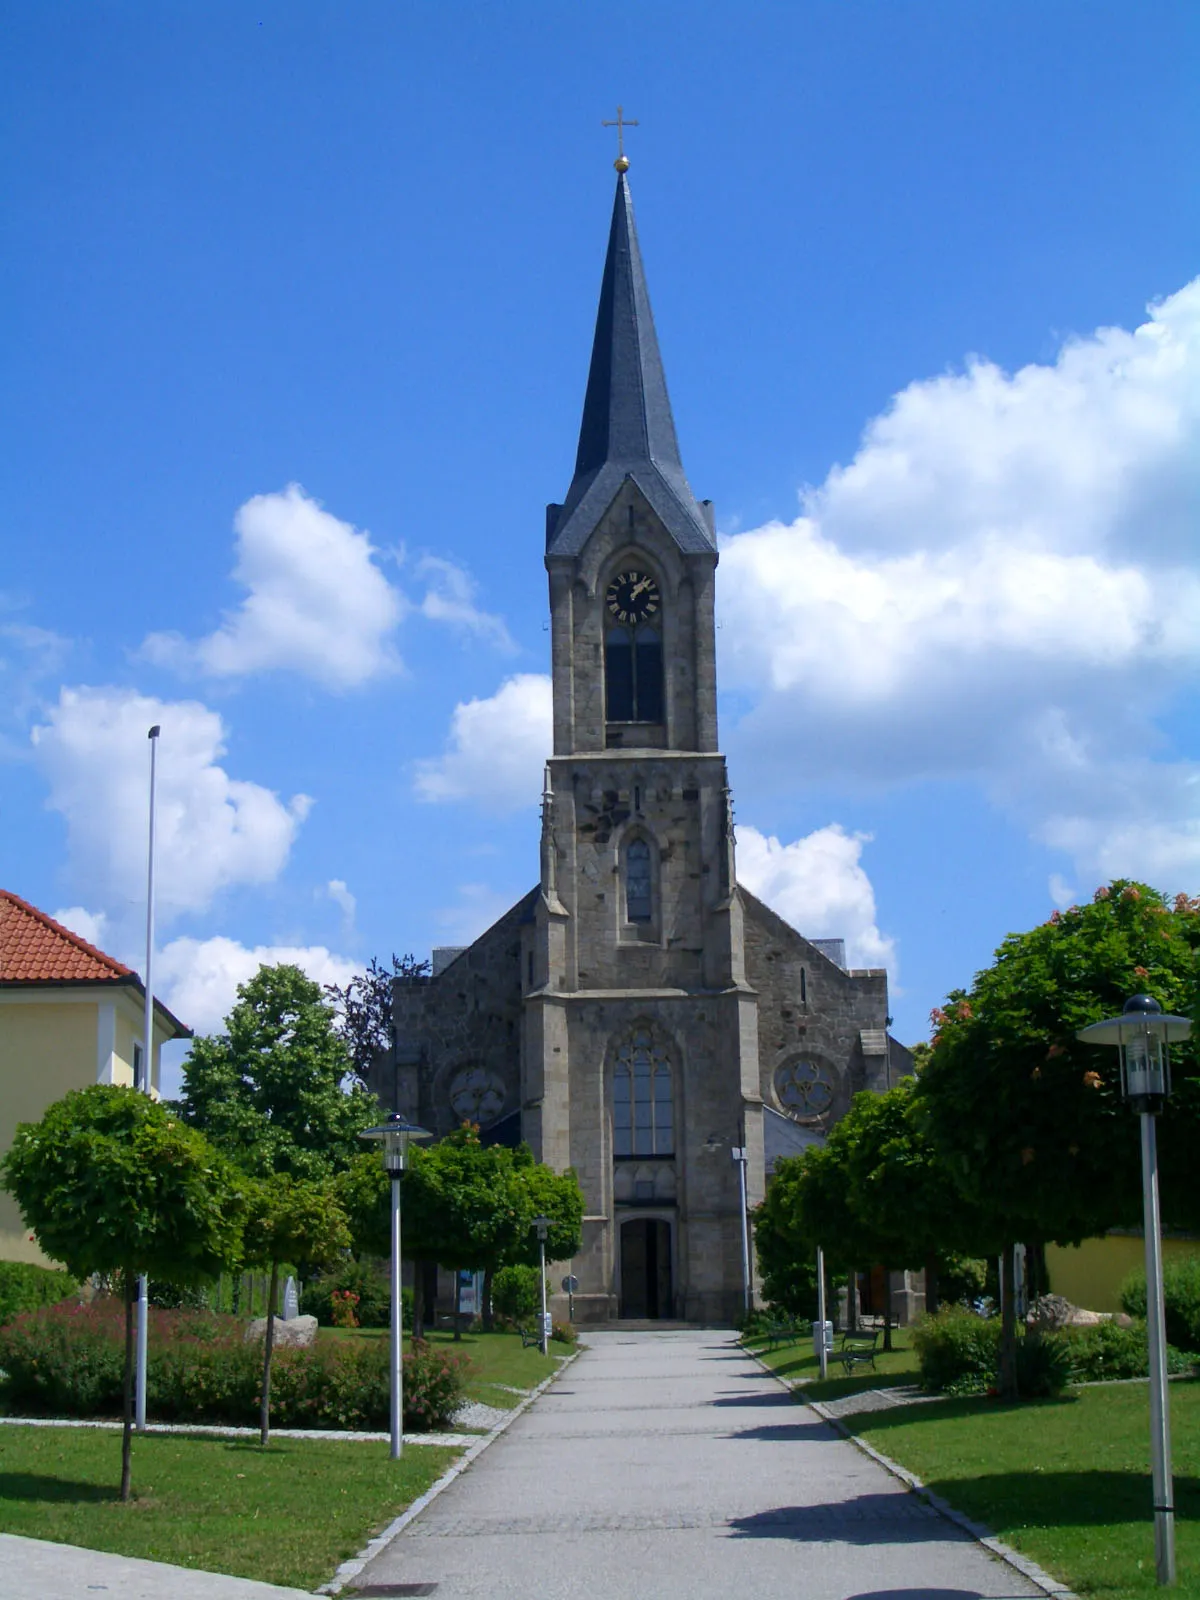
69,1016
1091,1274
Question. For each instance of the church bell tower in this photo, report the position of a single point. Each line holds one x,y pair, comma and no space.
639,1044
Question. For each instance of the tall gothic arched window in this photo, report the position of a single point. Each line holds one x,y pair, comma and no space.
643,1103
639,882
633,656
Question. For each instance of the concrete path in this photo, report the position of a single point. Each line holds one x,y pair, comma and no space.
34,1569
666,1464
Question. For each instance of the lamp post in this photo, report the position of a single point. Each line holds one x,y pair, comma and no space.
542,1224
394,1137
144,1080
738,1152
1142,1033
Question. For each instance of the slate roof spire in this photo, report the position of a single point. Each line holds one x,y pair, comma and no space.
627,429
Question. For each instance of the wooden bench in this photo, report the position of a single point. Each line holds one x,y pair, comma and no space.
858,1350
530,1336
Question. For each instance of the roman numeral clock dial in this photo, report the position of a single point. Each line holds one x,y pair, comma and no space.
633,597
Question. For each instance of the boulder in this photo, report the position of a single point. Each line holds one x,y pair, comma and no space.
297,1333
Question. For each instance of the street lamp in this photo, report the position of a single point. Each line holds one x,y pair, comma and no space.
1142,1033
738,1152
394,1137
542,1224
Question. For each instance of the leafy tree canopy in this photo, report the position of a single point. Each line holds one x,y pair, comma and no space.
111,1182
275,1090
289,1219
1028,1120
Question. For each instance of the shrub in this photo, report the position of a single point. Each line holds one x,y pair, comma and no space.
180,1296
955,1347
68,1361
1181,1294
25,1287
563,1333
366,1279
517,1292
1106,1351
1044,1366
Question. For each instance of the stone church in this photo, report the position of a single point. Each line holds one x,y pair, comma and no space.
639,1015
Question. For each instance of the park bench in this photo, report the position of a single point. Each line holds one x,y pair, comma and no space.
781,1331
858,1350
530,1336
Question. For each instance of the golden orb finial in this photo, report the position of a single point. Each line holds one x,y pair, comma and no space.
622,163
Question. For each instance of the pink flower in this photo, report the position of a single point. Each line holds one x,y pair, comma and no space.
1102,893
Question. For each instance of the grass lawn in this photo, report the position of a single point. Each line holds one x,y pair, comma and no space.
496,1359
1065,1481
288,1514
797,1363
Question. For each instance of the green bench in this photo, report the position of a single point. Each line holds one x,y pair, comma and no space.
858,1350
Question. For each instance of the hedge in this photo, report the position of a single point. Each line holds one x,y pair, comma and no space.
68,1360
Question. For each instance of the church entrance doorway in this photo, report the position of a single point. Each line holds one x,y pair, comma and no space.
645,1268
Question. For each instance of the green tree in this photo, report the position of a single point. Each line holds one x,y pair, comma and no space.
289,1220
465,1205
806,1208
275,1090
112,1183
902,1192
1027,1120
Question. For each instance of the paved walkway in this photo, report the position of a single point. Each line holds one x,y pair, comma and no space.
34,1569
669,1464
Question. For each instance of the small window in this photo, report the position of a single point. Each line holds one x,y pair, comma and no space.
137,1065
639,887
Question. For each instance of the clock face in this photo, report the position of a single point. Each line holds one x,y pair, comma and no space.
476,1095
633,597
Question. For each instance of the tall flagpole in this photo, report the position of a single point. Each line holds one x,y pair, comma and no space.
145,1082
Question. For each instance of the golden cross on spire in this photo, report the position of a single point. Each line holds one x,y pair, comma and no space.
620,124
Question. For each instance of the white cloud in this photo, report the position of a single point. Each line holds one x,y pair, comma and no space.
317,602
1061,892
89,925
450,598
818,885
496,749
198,978
211,831
1001,585
345,902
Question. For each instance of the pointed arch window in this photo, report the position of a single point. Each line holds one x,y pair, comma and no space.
639,882
643,1099
633,652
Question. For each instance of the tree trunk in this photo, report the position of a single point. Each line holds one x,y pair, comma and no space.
457,1306
852,1301
887,1308
429,1290
264,1429
127,1432
1008,1324
931,1284
418,1317
489,1320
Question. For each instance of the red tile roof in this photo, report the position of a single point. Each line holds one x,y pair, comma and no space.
36,949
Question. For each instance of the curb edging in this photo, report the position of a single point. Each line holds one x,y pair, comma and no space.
350,1569
982,1535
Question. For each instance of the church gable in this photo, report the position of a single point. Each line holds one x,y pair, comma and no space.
458,1035
822,1031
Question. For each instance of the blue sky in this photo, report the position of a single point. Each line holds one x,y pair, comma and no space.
901,257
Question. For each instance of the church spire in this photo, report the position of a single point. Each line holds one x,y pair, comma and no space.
627,429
